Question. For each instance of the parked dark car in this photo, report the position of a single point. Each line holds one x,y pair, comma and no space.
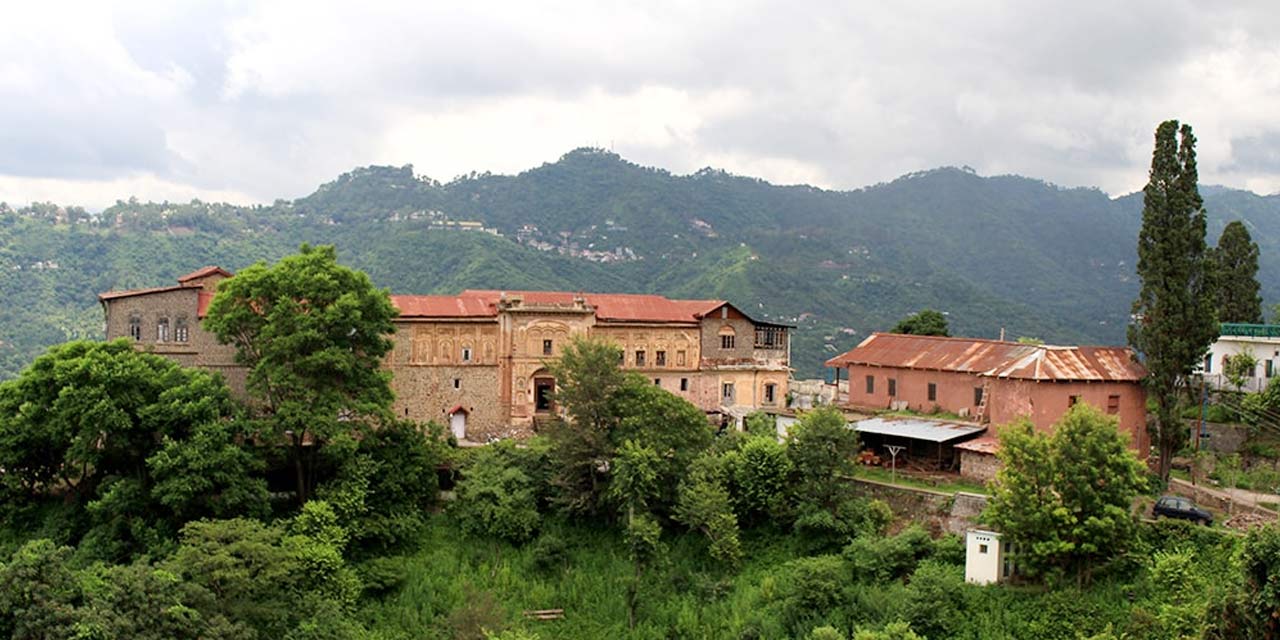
1179,507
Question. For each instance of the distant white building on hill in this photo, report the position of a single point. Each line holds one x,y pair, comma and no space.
1260,340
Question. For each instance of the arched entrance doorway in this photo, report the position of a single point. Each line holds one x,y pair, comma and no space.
544,391
458,422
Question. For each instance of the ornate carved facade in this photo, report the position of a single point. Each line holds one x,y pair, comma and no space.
477,361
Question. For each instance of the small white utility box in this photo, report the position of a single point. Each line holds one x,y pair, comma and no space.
987,560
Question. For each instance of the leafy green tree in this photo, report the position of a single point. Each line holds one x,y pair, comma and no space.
634,486
86,411
760,472
808,588
1239,368
208,475
587,379
1173,316
676,430
704,505
1258,614
892,631
142,444
1065,499
39,594
924,323
821,448
607,408
496,498
147,603
759,423
312,334
1235,267
403,483
276,579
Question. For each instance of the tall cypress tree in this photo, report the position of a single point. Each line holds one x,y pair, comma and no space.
1236,275
1174,319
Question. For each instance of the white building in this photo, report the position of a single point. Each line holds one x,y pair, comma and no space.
1260,340
987,560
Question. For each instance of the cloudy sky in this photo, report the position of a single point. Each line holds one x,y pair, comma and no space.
253,101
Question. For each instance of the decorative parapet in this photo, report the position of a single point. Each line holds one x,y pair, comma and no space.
1250,330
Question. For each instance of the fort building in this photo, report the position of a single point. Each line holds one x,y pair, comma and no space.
477,361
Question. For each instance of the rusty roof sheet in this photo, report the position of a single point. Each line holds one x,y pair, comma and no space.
615,307
988,444
994,358
444,307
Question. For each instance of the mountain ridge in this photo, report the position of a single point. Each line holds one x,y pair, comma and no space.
995,252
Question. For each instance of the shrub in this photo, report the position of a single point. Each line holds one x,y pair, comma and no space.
934,604
550,553
877,559
759,473
810,586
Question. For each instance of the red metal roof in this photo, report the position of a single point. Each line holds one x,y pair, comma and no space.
463,306
994,358
206,271
615,307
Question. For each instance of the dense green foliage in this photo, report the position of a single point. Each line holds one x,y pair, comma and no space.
1235,272
138,443
992,252
312,334
1065,498
925,323
1174,316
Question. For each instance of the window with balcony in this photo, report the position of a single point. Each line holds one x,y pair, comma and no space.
660,358
640,358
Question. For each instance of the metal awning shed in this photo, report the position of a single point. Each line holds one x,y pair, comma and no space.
915,429
923,439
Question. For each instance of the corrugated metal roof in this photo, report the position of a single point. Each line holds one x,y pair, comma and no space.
988,444
443,307
994,358
918,429
616,307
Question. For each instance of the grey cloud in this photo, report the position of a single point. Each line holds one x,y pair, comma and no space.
1255,154
864,91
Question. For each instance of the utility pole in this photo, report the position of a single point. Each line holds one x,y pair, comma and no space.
1204,409
894,450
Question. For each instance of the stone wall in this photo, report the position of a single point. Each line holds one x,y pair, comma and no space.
1223,438
981,467
201,349
936,510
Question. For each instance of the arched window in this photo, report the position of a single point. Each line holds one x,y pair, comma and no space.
180,329
727,337
162,330
135,327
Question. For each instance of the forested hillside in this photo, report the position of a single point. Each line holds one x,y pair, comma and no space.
992,252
